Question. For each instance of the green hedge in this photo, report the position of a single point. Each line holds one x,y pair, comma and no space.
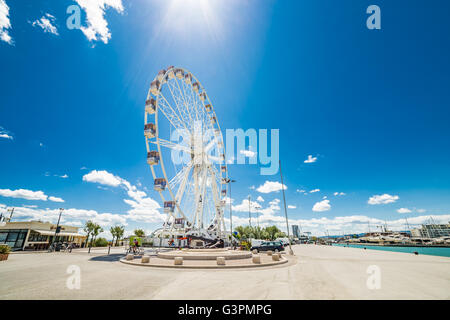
4,249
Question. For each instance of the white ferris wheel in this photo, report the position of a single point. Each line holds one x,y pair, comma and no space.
186,155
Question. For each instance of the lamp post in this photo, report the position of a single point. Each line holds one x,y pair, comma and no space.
57,225
285,211
230,181
11,214
249,215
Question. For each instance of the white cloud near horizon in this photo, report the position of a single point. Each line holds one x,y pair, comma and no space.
314,190
28,195
144,209
382,199
97,26
5,23
46,23
404,210
291,206
271,186
323,205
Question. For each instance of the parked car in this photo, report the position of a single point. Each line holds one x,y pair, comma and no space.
269,245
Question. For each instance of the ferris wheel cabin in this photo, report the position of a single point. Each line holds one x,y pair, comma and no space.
179,73
150,106
203,96
169,206
160,75
188,78
208,108
160,184
150,130
171,72
196,87
223,168
155,87
153,157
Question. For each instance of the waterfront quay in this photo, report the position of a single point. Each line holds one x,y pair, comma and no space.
314,272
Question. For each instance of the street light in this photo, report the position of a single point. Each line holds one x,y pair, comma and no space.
249,215
285,211
57,225
229,181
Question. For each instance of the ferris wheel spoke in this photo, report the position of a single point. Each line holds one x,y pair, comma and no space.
170,113
172,145
175,92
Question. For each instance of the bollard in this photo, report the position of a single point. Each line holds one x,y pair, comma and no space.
178,261
145,259
255,251
129,256
220,261
269,253
256,259
275,257
109,249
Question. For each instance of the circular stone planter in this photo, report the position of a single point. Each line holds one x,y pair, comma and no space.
4,256
205,254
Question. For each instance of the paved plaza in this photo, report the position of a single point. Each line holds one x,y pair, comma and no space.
315,272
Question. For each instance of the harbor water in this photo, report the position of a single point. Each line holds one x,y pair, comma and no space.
433,251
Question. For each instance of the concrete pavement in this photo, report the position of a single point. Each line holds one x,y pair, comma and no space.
315,272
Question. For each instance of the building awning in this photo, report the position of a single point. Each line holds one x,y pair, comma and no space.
61,234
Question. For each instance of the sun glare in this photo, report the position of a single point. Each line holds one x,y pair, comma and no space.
186,16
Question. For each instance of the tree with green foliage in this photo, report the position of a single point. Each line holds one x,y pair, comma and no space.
88,228
95,232
139,233
119,233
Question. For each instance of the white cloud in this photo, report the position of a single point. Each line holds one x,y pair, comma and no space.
271,186
5,134
55,199
5,23
339,194
292,207
102,177
382,199
421,210
28,195
144,209
300,191
97,28
260,199
64,176
404,210
323,205
310,159
315,190
248,153
252,188
46,23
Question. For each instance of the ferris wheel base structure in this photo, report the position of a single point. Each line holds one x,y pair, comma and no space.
193,188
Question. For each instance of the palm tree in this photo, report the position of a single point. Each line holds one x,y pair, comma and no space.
96,230
113,233
119,233
139,233
88,228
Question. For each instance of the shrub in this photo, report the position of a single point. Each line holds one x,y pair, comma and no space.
246,245
4,249
101,242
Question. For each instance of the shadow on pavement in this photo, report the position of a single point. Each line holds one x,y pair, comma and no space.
108,258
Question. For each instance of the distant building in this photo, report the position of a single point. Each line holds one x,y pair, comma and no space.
432,231
295,231
37,235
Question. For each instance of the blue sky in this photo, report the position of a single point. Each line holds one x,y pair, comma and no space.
370,107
